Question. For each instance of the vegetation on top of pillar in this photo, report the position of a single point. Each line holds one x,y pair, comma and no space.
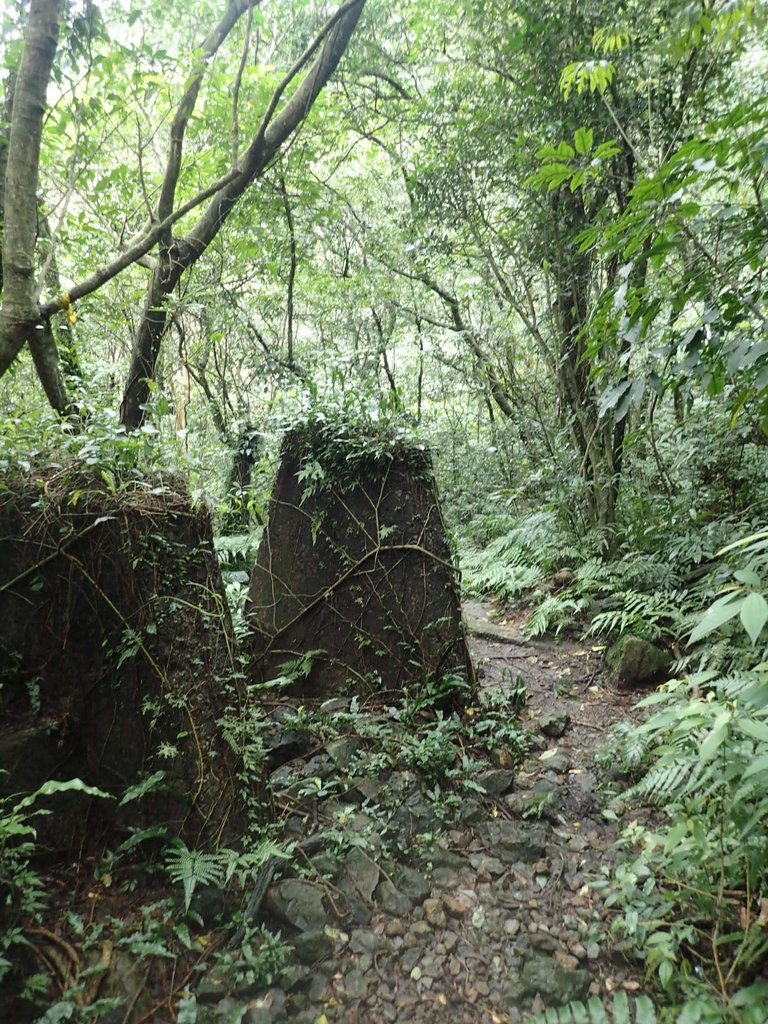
342,446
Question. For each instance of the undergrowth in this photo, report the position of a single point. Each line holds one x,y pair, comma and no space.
564,583
690,895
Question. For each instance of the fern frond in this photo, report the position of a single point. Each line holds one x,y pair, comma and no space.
237,548
625,1010
193,868
554,611
666,781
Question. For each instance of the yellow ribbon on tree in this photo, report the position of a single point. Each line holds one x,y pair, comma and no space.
66,305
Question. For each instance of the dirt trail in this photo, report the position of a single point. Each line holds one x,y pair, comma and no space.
500,920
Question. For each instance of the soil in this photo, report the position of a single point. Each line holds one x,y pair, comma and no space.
488,914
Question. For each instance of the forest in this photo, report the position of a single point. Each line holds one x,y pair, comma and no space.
384,511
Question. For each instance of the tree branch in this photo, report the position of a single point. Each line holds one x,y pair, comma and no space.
235,10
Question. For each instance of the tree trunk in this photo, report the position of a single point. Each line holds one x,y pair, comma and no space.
20,320
183,253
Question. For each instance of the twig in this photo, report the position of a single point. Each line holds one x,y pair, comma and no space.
329,591
60,550
56,940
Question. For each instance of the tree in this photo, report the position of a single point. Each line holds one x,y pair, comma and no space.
24,318
569,107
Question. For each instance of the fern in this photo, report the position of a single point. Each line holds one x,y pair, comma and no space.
554,612
508,557
650,616
710,772
625,1010
594,575
193,868
667,781
626,748
238,550
485,573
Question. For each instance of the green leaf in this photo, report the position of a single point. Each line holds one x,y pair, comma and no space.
606,150
583,139
715,739
621,1008
760,764
141,788
596,1011
644,1011
754,614
744,542
187,1012
51,787
749,578
721,611
756,730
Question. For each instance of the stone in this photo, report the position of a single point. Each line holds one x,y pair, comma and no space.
471,811
355,911
410,958
419,929
513,841
496,781
566,960
214,984
267,1009
282,745
440,857
557,985
318,988
318,767
368,787
554,723
295,977
434,913
369,623
298,903
412,883
416,815
546,943
555,760
312,946
355,984
326,864
342,751
209,902
492,866
362,872
635,662
456,904
335,705
392,901
363,940
547,794
446,878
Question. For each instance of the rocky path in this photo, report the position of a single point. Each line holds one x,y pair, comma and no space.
484,912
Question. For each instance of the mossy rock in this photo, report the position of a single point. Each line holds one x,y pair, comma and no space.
634,661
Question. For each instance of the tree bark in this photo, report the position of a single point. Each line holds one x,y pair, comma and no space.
5,130
20,320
